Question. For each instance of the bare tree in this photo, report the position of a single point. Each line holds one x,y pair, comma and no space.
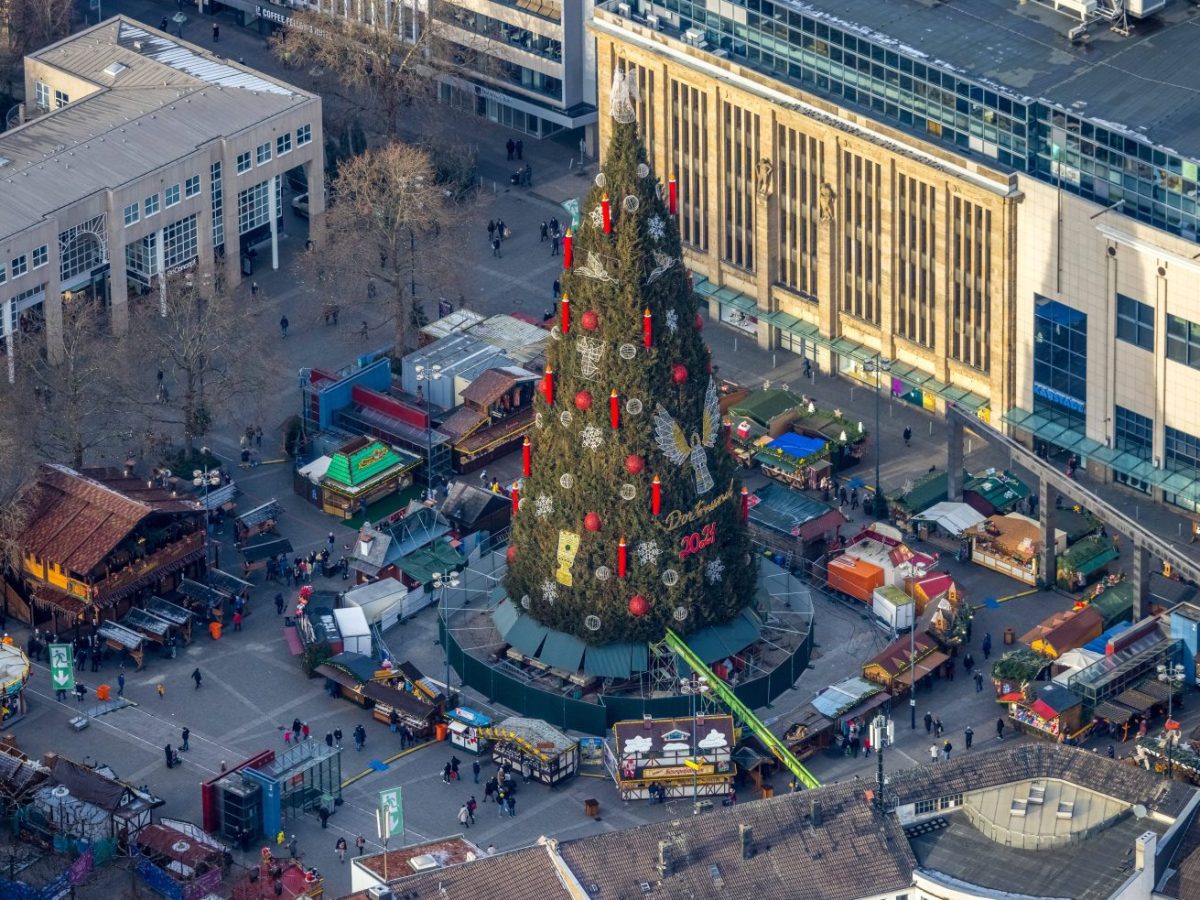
383,58
26,26
68,402
201,338
392,221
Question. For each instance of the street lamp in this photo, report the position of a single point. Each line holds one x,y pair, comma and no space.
441,581
1173,678
205,478
428,373
875,366
912,672
693,687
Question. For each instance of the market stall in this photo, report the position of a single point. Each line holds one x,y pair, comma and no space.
549,754
412,712
465,726
684,757
904,660
809,733
1011,545
1085,561
1112,597
796,460
361,472
180,618
1016,673
1055,713
1064,631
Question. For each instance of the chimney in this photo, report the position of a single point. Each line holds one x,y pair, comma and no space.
666,859
746,836
817,820
365,538
1144,849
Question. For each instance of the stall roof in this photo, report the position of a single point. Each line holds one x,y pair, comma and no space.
1100,645
437,557
923,493
562,651
361,667
537,733
1001,490
363,460
315,470
261,550
765,406
797,446
719,641
952,517
609,661
375,598
897,656
1056,698
845,695
789,512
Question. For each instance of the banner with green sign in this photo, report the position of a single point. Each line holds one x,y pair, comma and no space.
391,813
62,667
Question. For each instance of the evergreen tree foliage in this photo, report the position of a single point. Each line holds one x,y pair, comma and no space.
581,464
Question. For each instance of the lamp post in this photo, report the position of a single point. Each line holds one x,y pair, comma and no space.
431,374
875,366
441,581
1172,677
206,477
693,687
912,670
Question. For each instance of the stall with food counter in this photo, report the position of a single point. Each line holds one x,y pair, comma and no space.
411,711
1085,561
1011,545
681,757
904,660
1055,713
533,746
180,618
1016,673
465,729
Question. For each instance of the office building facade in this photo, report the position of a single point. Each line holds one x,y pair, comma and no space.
865,184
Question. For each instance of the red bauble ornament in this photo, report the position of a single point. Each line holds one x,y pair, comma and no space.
511,553
638,605
698,324
679,373
592,521
583,400
634,464
590,320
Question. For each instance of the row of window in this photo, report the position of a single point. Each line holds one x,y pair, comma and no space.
1134,433
1135,325
134,212
283,146
19,265
41,97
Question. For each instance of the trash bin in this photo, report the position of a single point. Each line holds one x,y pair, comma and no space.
1010,636
247,265
591,808
103,692
440,730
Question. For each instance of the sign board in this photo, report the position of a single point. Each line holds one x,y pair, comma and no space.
62,667
391,813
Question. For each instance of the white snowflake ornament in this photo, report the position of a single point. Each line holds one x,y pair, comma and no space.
648,553
657,227
713,570
591,437
543,506
672,320
549,591
597,216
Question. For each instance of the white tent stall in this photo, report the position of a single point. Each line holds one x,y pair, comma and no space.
356,633
952,518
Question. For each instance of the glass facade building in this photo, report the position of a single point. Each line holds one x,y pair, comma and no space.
1060,363
1101,161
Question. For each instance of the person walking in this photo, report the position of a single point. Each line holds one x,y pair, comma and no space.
280,603
501,229
216,32
937,726
928,722
329,739
340,849
185,735
323,815
907,436
237,620
987,645
969,662
475,770
491,230
337,738
933,752
496,247
162,691
471,807
520,149
489,788
510,147
305,731
999,729
544,230
978,681
294,848
556,289
455,762
121,684
464,817
512,806
554,242
501,801
360,844
283,325
332,540
360,737
197,677
969,734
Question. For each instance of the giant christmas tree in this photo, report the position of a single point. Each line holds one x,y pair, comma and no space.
629,518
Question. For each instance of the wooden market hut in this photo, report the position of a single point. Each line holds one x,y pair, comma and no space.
496,413
904,660
361,472
1064,631
93,541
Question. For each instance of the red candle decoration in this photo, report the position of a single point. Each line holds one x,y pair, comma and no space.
526,457
583,401
622,560
614,409
568,256
679,373
647,329
606,213
638,605
566,313
516,499
590,320
728,424
698,323
634,464
548,386
672,194
592,521
655,496
745,504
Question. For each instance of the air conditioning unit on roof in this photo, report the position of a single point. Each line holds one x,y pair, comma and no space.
694,36
654,22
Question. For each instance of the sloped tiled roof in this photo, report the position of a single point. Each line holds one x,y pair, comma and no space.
521,873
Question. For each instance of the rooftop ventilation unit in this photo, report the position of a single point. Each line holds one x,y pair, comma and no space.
113,69
426,862
695,37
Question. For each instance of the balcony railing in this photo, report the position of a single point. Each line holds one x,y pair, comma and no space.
143,569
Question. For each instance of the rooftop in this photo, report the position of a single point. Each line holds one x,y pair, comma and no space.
169,99
1145,81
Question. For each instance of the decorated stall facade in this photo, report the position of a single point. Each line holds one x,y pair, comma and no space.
903,661
684,756
1011,545
531,745
361,472
1055,713
1085,561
